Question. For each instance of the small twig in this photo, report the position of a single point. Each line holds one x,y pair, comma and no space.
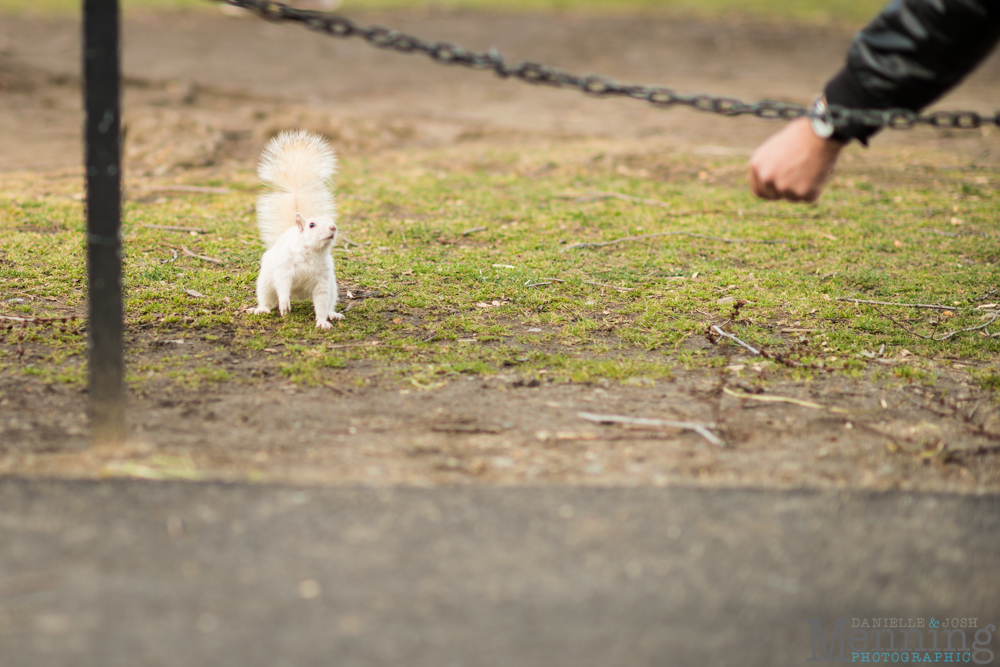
736,340
543,281
996,316
650,236
697,427
780,399
888,303
622,289
177,228
459,427
467,232
780,358
187,252
986,296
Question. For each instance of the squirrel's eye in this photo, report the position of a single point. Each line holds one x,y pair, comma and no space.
311,225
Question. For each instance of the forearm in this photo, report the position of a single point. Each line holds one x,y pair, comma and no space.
911,54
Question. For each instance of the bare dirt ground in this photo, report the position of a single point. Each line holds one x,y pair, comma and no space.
203,93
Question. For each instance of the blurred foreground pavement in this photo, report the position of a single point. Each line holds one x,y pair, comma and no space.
133,573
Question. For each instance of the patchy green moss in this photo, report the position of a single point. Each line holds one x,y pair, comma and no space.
448,269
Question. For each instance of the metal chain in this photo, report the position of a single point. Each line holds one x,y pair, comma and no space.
452,54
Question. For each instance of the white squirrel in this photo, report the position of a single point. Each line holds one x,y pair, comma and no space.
298,225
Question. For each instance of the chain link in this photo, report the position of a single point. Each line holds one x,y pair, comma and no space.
452,54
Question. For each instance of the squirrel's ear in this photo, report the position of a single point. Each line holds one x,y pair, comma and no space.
300,221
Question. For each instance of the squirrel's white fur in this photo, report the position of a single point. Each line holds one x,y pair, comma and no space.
298,225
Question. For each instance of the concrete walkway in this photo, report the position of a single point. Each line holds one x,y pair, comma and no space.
131,573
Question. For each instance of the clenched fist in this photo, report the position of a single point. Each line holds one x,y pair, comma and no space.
793,164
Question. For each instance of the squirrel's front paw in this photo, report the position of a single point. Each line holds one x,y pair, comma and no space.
336,316
259,310
323,324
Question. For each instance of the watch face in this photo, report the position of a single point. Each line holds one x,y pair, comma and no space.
822,128
820,125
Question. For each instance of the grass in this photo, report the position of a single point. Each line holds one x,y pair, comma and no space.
444,301
851,11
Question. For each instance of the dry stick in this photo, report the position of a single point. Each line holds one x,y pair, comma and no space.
473,230
995,317
543,281
650,236
197,256
697,427
780,399
888,303
177,228
736,340
753,350
342,238
986,296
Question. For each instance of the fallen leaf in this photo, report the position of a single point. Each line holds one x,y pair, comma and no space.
195,294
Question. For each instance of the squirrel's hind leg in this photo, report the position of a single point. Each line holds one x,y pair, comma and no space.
325,300
331,311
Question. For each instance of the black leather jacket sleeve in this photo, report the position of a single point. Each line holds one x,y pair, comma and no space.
911,54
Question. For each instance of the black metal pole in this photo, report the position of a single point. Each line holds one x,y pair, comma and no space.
102,162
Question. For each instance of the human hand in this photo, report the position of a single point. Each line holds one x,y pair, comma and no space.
793,164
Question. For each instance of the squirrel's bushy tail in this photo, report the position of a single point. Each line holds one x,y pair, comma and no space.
298,167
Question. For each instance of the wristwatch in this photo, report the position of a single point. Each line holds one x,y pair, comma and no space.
819,116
